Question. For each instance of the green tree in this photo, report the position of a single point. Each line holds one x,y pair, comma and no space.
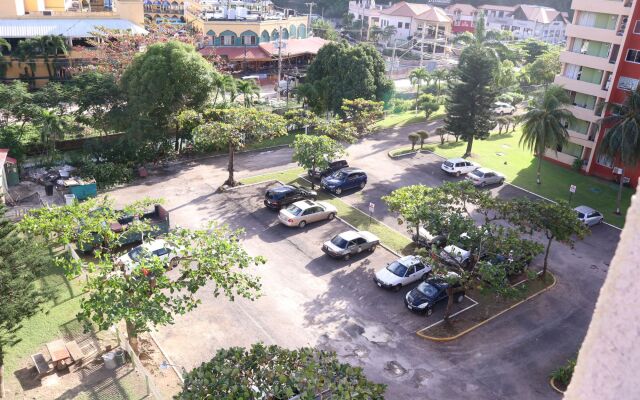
24,262
423,136
544,123
388,32
481,38
315,152
440,75
301,118
533,48
622,140
323,29
98,98
362,114
471,100
163,81
506,76
4,64
545,68
417,76
249,89
271,372
413,138
51,47
341,71
52,128
235,127
429,104
556,221
26,52
141,293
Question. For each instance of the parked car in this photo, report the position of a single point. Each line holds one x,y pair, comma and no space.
303,212
402,272
424,297
458,166
346,244
455,255
427,239
278,197
334,166
346,178
589,216
156,248
504,108
484,176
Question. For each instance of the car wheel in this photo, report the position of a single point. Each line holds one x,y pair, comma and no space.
347,257
302,224
331,216
362,185
372,249
429,311
338,191
397,288
425,276
501,181
483,184
460,298
600,221
458,173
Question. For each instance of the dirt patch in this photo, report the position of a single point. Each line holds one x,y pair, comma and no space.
489,306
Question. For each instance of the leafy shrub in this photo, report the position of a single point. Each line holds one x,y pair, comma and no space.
106,174
398,106
562,375
512,98
577,164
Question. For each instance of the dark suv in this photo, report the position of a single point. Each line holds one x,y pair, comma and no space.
333,167
281,196
345,179
424,297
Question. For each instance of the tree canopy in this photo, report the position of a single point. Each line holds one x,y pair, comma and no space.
341,71
271,372
315,152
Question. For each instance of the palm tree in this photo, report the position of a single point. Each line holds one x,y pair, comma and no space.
417,76
51,45
4,65
229,85
26,53
51,128
622,140
388,32
440,75
482,38
545,123
248,88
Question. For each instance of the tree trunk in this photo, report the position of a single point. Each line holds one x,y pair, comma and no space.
311,178
467,153
447,312
546,257
1,372
619,197
132,335
417,94
177,144
538,180
413,146
231,181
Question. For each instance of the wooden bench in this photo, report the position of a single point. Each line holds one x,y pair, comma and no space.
41,364
76,354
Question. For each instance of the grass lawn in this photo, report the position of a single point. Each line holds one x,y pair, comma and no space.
279,141
406,118
57,320
502,153
352,215
489,305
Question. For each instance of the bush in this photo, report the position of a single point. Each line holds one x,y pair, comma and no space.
512,98
562,375
398,106
106,174
577,164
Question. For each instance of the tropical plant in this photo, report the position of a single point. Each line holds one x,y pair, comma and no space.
416,77
26,52
315,152
622,140
362,114
502,123
388,32
272,372
545,123
51,46
563,374
423,136
429,104
52,128
440,75
442,133
413,138
249,89
482,38
4,64
323,29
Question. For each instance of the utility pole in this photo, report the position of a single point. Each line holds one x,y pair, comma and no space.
422,46
309,17
393,58
279,61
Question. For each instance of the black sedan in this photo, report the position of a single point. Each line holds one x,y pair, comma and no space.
281,196
424,297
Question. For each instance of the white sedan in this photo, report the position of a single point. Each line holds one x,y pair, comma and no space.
402,272
156,248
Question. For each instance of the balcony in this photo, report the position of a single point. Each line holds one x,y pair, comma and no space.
592,89
617,7
581,139
586,60
559,156
582,113
589,33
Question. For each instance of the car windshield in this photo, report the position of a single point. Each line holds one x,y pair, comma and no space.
448,163
135,253
427,289
580,215
397,269
338,241
339,175
295,210
477,173
274,195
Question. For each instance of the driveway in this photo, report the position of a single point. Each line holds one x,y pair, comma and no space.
510,357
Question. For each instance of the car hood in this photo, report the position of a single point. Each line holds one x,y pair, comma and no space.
331,181
416,297
333,247
388,277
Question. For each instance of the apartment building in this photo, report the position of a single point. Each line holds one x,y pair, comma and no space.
463,16
527,21
600,64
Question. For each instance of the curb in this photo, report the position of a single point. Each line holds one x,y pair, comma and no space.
505,183
478,325
166,357
396,156
554,387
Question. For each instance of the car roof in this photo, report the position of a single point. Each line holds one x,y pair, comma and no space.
409,260
154,244
281,189
349,235
304,204
584,209
351,169
485,170
452,248
455,160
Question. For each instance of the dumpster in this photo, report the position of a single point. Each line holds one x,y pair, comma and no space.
120,357
82,189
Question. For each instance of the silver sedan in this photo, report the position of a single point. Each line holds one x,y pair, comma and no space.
484,176
303,212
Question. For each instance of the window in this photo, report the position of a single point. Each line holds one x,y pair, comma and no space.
227,40
636,28
249,39
627,83
399,24
604,160
633,56
406,25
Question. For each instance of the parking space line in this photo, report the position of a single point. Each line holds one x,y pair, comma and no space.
256,323
475,303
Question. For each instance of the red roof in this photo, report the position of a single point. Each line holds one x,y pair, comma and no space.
267,51
4,158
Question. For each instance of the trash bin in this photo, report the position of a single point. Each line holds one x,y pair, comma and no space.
109,360
120,357
48,189
69,199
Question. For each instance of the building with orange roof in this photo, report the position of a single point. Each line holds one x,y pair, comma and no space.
464,17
